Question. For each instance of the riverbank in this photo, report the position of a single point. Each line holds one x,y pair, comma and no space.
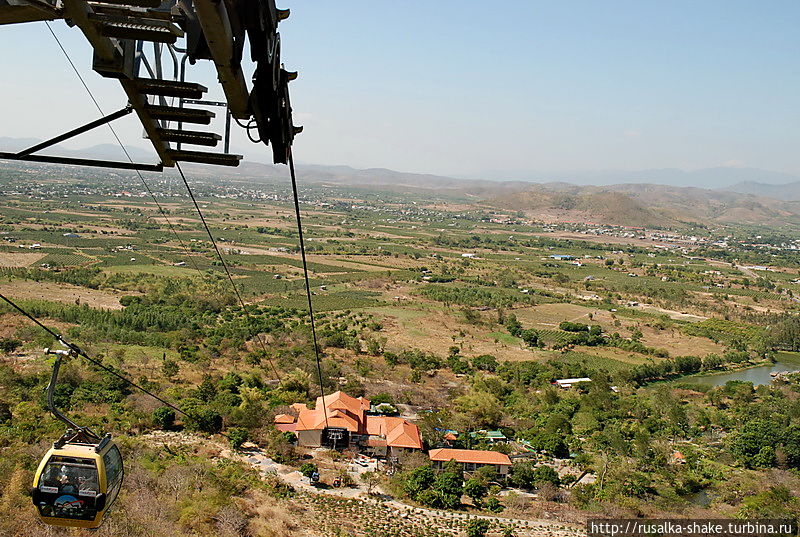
758,373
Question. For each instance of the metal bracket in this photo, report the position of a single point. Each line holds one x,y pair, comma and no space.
27,154
75,431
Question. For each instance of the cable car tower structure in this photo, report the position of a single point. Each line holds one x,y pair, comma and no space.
81,475
136,42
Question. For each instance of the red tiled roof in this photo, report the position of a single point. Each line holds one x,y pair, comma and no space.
343,401
469,455
284,418
349,412
298,407
404,435
313,420
286,427
397,431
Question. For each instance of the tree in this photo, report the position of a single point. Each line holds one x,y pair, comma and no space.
449,486
545,474
297,381
207,390
530,337
308,469
552,443
477,489
237,436
477,527
370,479
754,443
688,364
277,445
418,480
485,362
523,475
513,325
170,368
493,504
777,502
9,345
5,413
483,409
164,418
206,420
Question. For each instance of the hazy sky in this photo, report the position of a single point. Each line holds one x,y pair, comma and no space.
479,88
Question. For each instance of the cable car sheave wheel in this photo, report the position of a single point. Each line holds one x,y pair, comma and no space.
81,475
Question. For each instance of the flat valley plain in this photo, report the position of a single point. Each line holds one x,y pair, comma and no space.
424,296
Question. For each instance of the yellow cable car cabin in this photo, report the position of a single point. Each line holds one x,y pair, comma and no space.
78,480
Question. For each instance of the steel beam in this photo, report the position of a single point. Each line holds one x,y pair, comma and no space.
84,162
107,50
75,132
213,18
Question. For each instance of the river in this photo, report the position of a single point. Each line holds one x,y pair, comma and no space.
785,361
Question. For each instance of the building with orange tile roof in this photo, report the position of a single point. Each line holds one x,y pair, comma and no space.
298,407
471,459
341,421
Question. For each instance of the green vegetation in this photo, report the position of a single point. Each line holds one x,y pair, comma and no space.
466,343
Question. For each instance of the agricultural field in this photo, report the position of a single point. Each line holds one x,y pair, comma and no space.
438,275
427,302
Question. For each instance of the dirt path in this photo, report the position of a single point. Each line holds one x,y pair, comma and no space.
341,505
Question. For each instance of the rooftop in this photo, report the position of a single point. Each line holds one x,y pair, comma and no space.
469,456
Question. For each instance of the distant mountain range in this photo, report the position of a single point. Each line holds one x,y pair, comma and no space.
787,192
102,151
639,199
647,205
713,178
743,180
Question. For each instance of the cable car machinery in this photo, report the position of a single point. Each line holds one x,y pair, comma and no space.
81,475
118,31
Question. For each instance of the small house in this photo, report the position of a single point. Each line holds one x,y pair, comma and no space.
569,383
471,459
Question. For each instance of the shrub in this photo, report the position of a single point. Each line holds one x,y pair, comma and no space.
308,468
237,436
9,345
477,528
493,504
164,418
485,362
205,420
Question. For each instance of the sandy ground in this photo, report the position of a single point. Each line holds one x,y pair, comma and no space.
345,261
60,292
21,259
672,314
432,330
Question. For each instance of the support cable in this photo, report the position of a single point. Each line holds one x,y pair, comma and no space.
308,284
124,149
96,362
227,271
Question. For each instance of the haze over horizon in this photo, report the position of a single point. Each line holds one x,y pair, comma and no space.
523,91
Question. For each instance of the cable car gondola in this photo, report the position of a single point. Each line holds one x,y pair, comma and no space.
81,475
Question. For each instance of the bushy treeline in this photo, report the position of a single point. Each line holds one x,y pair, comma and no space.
645,445
475,296
685,365
91,277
